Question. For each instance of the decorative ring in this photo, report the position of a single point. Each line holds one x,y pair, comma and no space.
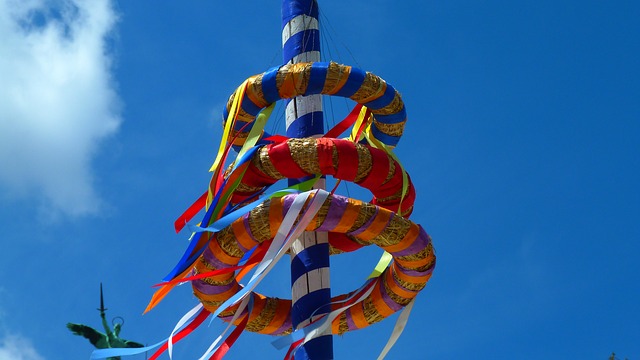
408,243
303,79
364,165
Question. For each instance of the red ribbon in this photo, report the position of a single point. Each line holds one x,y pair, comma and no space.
343,125
230,340
190,212
199,319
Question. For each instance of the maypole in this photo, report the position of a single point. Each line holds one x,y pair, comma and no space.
310,288
247,229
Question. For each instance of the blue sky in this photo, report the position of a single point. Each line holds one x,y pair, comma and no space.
523,142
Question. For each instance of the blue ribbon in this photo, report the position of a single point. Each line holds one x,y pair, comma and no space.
114,352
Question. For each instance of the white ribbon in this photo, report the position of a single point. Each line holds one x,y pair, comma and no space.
397,329
286,234
213,347
179,326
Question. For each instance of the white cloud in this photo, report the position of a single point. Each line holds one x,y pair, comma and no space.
17,348
57,100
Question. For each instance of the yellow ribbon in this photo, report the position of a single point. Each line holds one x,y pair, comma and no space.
256,130
384,261
231,119
361,118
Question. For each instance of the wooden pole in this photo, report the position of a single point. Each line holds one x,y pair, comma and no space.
310,287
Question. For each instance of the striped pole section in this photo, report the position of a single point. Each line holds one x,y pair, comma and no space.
310,288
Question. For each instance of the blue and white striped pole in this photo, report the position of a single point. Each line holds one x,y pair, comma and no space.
310,289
